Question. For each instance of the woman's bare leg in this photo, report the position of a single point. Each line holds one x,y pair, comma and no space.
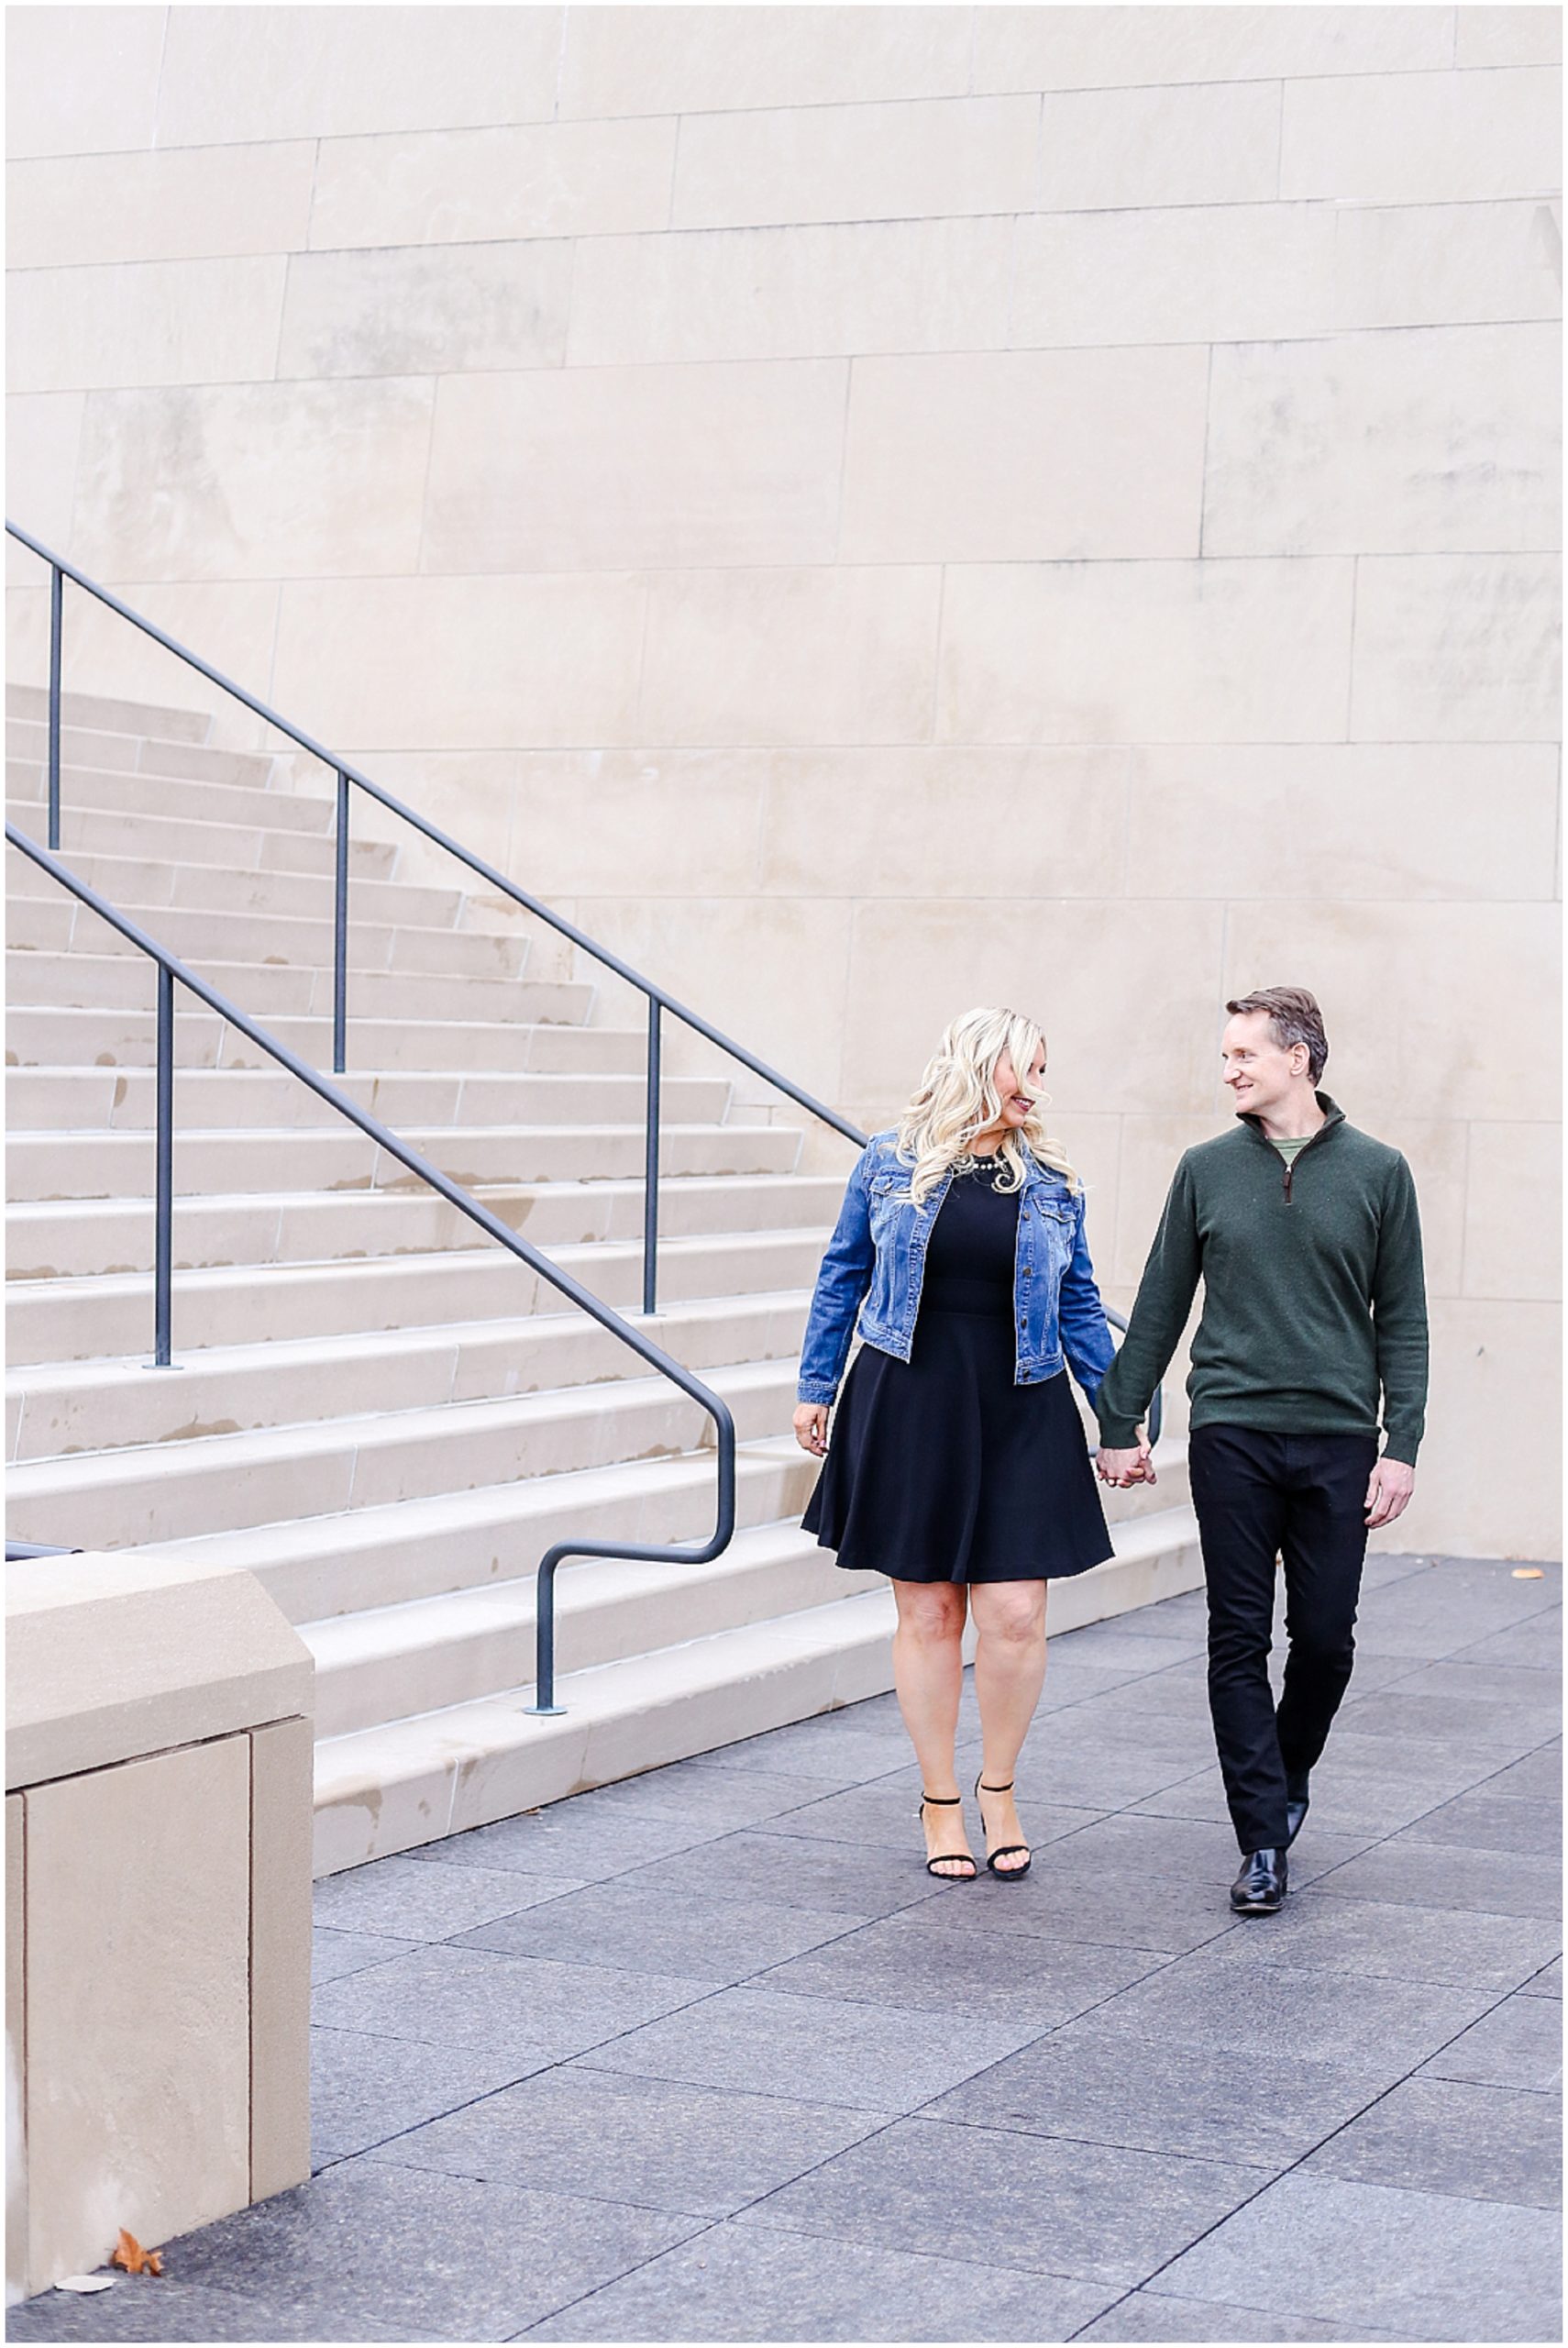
1010,1671
928,1672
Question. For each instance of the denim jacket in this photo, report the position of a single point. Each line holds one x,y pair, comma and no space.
876,1257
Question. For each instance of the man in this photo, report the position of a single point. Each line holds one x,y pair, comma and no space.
1306,1235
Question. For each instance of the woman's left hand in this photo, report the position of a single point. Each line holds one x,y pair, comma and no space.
811,1427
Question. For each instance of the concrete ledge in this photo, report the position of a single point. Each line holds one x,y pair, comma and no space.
158,1892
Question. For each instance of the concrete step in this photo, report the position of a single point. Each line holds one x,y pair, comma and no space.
429,1654
113,791
55,1409
87,1099
62,1240
86,831
110,712
61,923
425,1653
550,1036
409,1782
150,879
119,1165
263,990
166,1491
77,1319
109,750
319,1567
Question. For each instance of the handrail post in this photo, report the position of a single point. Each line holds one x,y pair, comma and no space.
341,936
544,1702
650,1176
163,1211
56,623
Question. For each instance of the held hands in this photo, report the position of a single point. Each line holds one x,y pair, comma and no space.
1388,1493
1134,1465
811,1427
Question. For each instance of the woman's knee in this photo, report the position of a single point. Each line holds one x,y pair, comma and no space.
932,1613
1012,1613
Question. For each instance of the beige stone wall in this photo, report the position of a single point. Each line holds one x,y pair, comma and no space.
873,509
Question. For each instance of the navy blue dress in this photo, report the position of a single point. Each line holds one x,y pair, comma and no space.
941,1468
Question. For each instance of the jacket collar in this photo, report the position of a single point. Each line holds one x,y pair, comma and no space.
1332,1115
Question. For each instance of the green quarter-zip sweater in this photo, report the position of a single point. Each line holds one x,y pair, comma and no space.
1313,1297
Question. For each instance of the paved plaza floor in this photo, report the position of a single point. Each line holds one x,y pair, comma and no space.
707,2056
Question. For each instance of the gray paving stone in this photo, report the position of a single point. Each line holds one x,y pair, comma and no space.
435,2257
162,2307
1138,1845
1476,1725
936,1968
748,2280
704,2151
1454,2136
1095,2211
1428,2264
1429,1623
426,1899
1537,1642
704,1789
839,1878
882,1817
567,1846
1217,1999
1532,1688
333,1953
1071,1685
364,2089
1538,1777
1166,1915
1399,1944
532,2006
1115,2088
830,1746
1547,1983
1148,2315
1148,1645
821,2050
1385,1566
1483,1821
1517,2044
1420,1875
1361,1807
638,1929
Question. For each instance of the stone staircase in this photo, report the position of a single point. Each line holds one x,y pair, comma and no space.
375,1409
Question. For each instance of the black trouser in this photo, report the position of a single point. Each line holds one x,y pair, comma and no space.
1259,1496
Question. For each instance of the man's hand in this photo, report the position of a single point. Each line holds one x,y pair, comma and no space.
1388,1494
1129,1467
811,1427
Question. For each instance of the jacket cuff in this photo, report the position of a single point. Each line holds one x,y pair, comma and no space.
813,1390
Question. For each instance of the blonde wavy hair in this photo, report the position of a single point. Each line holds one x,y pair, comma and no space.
956,1098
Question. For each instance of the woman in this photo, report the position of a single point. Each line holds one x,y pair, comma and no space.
958,1464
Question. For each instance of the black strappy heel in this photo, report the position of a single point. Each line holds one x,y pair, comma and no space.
1003,1874
946,1859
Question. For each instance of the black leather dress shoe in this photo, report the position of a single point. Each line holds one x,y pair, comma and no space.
1260,1888
1297,1802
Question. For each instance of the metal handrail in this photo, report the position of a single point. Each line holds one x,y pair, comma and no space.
659,1001
171,970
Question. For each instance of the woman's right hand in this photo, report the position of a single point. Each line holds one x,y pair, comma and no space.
811,1427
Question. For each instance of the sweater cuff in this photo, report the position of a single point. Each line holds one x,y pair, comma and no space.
1399,1445
1117,1434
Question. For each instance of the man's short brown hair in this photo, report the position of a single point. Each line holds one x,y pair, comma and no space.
1293,1018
